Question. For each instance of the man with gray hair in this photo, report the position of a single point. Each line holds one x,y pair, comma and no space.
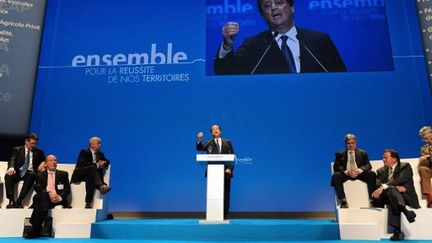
425,165
90,168
352,163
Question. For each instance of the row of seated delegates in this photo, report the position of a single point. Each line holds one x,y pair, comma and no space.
28,160
392,185
425,164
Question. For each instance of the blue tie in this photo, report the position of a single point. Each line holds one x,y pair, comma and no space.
288,54
26,164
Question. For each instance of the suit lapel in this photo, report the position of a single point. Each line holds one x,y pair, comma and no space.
274,58
22,155
397,170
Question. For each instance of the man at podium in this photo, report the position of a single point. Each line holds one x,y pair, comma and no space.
217,145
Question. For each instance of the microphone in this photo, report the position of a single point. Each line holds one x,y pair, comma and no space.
265,52
207,147
310,52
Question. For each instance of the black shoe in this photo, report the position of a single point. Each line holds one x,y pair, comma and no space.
397,235
88,205
18,203
67,206
11,204
104,189
344,204
33,233
410,216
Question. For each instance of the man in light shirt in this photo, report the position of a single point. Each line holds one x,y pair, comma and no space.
52,188
396,189
25,162
352,163
90,168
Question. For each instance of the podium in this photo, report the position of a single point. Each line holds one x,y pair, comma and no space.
215,185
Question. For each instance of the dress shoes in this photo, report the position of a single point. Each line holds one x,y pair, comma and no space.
397,235
429,205
11,204
104,189
344,204
410,216
88,205
19,204
34,232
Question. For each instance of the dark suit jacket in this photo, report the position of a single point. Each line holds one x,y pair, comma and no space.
247,56
61,178
402,176
85,159
341,160
210,148
18,157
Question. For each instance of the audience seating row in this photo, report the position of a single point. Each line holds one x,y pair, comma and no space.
360,222
67,223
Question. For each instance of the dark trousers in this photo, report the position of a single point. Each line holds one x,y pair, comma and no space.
395,202
339,178
41,204
10,181
92,178
227,193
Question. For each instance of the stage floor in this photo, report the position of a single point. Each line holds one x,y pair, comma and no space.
237,230
189,230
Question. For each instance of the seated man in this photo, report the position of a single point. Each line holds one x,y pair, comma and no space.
425,165
52,189
396,189
26,161
352,164
90,168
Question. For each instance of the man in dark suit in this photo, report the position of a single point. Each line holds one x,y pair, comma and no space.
282,49
90,168
25,162
396,189
217,145
52,189
352,163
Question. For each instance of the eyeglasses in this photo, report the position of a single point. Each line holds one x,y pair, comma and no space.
276,3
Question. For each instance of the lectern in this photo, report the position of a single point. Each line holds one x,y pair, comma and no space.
215,185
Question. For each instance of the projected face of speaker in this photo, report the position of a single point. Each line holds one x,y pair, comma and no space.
278,14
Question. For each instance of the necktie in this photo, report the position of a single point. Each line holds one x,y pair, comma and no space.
50,182
288,54
217,145
26,164
94,158
390,174
351,162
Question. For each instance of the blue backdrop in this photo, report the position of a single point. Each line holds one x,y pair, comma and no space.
134,73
